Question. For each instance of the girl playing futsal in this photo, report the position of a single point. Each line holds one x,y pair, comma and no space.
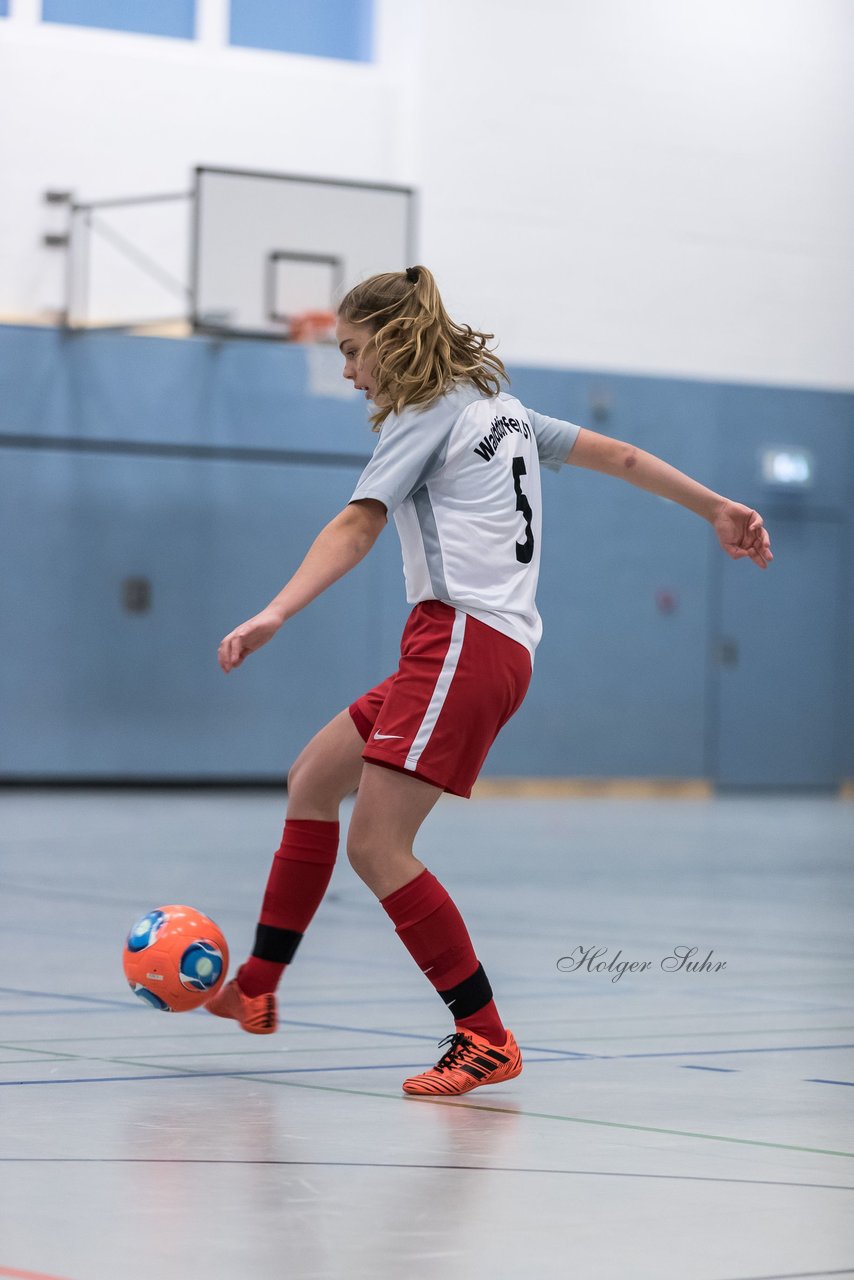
457,465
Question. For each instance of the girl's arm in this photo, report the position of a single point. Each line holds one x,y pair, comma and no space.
336,550
739,529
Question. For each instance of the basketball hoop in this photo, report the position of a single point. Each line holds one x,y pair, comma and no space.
312,326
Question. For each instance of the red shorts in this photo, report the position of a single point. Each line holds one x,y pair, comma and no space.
459,681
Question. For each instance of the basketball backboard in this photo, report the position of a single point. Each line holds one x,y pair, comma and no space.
268,247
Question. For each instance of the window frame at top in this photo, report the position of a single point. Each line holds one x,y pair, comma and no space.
341,29
174,19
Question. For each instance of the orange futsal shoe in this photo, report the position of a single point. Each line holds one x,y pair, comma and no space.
256,1014
469,1062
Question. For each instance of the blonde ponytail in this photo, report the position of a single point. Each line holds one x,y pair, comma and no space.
420,350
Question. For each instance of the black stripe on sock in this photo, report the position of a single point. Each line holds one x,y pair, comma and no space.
275,944
469,995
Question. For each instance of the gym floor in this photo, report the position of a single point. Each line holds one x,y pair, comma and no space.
668,1124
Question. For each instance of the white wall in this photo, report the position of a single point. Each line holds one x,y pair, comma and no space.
647,185
661,186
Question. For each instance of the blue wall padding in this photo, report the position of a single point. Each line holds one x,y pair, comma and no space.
620,687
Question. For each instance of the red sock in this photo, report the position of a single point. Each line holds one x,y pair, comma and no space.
300,873
434,933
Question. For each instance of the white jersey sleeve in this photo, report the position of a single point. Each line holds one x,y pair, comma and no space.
411,448
554,437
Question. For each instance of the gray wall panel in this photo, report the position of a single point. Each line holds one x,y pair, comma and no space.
621,686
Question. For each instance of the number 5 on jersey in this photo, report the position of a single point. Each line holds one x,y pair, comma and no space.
524,550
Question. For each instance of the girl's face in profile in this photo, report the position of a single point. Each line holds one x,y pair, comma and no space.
359,365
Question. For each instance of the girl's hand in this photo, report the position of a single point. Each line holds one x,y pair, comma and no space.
741,533
246,638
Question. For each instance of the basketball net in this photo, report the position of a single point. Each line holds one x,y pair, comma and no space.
312,326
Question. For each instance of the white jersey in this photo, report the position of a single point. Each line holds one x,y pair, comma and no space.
462,480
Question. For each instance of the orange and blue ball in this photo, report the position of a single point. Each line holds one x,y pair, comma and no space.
175,958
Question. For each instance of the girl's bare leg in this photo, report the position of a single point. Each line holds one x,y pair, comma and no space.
325,771
390,807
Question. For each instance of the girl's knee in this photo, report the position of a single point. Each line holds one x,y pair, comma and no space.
298,780
369,854
383,867
311,792
363,854
328,768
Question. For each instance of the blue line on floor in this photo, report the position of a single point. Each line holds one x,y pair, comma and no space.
565,1054
133,1005
238,1075
63,995
376,1031
414,1035
812,1080
704,1053
688,1066
65,1013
